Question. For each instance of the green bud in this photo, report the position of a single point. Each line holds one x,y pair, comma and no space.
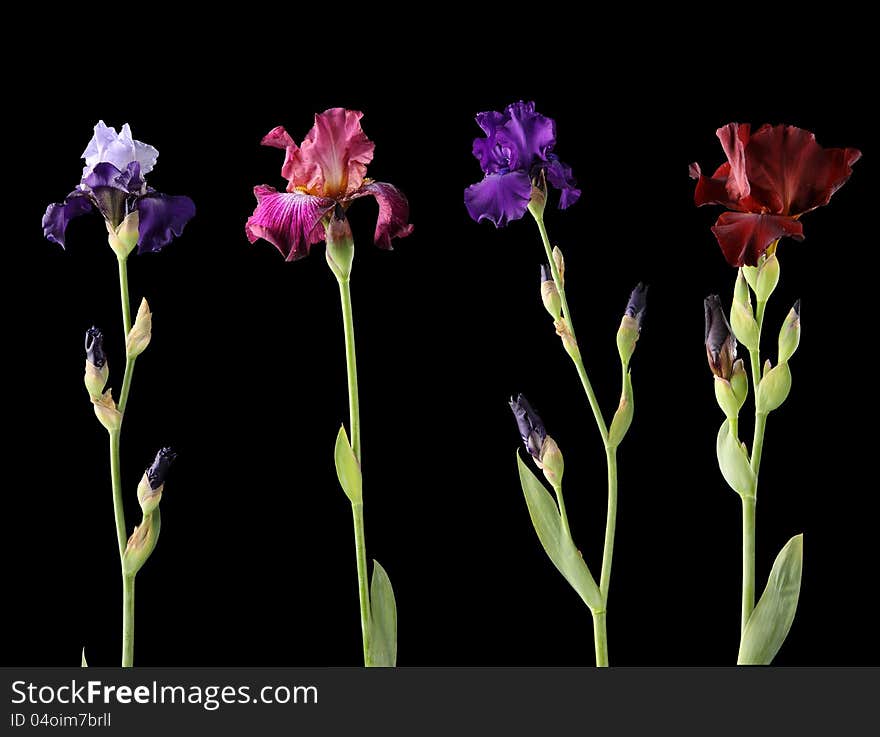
741,289
739,382
751,276
623,416
139,337
549,293
340,244
95,379
124,238
106,412
538,199
768,277
560,265
774,388
790,334
729,397
348,470
141,544
568,340
743,324
734,462
551,461
148,497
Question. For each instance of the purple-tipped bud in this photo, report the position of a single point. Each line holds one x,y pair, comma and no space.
635,308
158,472
95,348
546,274
720,343
531,429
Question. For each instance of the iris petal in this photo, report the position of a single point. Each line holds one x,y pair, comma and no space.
291,221
499,198
744,236
393,220
161,218
60,214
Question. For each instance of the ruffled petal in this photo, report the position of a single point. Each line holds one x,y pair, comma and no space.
499,198
161,218
58,215
119,149
734,137
712,190
110,188
794,173
393,221
744,237
278,137
333,158
289,221
560,176
486,150
517,139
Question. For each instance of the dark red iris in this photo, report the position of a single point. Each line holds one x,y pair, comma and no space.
771,178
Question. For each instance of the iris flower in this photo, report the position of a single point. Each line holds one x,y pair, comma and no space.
771,178
517,151
113,182
325,175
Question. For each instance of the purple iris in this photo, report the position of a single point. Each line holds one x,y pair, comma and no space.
517,151
113,183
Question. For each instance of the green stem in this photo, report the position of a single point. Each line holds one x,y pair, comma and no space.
355,429
610,523
126,327
578,362
562,513
116,485
748,562
600,638
127,621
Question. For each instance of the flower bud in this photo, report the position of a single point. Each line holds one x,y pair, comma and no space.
720,343
124,237
549,293
340,244
731,395
742,319
538,198
106,412
560,265
568,340
790,334
529,424
141,332
97,371
768,277
631,324
149,491
551,462
141,544
623,416
774,388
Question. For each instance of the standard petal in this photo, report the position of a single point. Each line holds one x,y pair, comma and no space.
560,176
333,158
393,221
290,221
712,190
486,150
60,214
743,236
161,218
734,137
526,136
143,153
794,173
499,198
278,137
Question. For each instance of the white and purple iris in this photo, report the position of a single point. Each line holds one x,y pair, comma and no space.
113,183
517,150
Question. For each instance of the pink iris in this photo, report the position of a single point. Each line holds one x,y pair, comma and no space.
326,171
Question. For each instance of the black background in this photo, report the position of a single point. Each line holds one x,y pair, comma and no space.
245,374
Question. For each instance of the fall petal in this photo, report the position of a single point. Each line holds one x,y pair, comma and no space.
744,237
290,221
393,220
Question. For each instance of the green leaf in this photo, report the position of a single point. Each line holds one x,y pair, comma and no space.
623,416
348,470
558,545
734,463
774,388
83,663
771,619
383,620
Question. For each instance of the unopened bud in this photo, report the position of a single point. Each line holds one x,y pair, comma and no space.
568,340
631,324
774,388
551,462
790,334
106,412
720,343
623,416
141,544
340,244
529,424
141,332
152,483
124,238
549,293
97,371
731,395
559,260
768,277
538,198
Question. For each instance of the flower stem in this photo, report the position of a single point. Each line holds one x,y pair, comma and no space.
578,362
748,504
355,429
600,636
116,485
126,326
127,621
